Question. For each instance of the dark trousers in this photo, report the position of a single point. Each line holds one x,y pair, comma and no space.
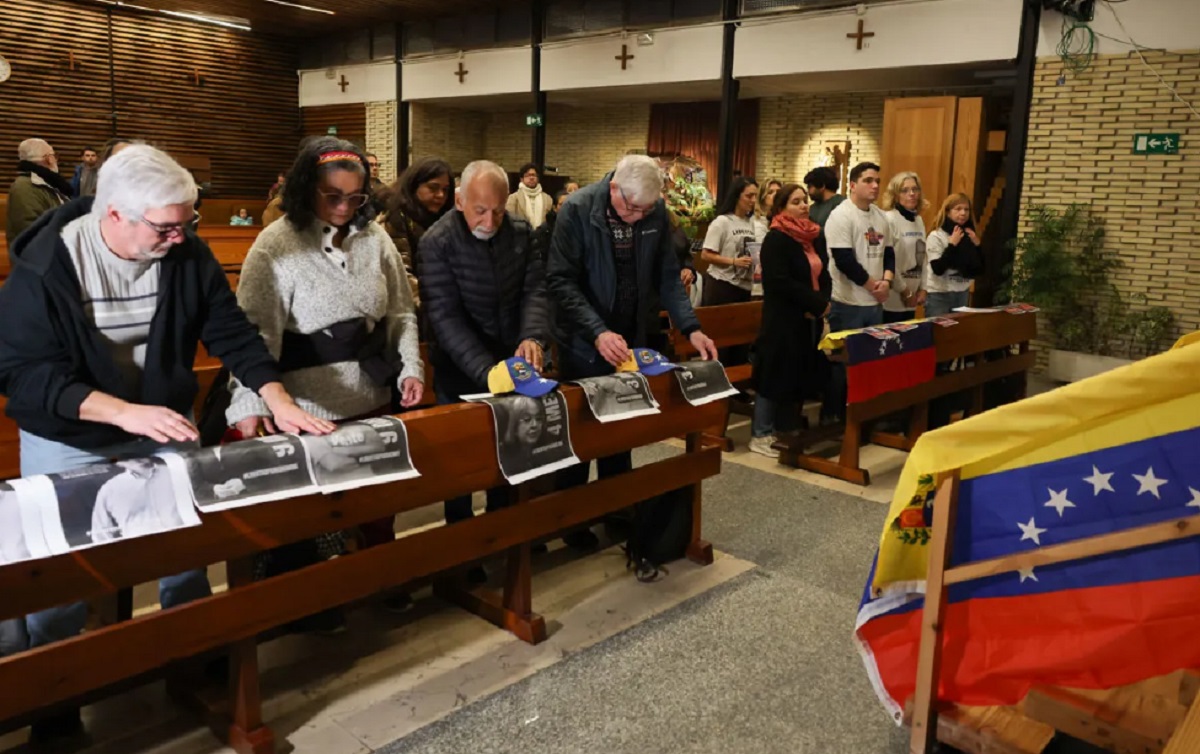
609,466
718,292
459,508
890,317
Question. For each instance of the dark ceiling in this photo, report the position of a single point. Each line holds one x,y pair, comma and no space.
287,20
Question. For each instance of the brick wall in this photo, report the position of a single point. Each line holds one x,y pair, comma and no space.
587,142
1080,150
508,142
793,130
381,137
454,134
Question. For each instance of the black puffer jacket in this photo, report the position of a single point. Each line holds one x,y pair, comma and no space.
481,299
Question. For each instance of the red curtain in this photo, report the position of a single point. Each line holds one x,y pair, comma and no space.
689,129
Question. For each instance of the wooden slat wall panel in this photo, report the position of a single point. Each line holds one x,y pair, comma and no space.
351,121
244,117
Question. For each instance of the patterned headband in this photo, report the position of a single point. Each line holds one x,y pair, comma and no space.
329,157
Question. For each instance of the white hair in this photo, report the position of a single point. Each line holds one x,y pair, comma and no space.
140,178
482,169
640,177
33,150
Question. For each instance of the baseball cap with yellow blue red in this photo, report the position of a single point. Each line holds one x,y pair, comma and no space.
516,375
647,361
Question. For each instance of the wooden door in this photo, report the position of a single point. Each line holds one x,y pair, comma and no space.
918,135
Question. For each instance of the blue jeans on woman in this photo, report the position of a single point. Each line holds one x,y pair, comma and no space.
939,304
771,417
42,456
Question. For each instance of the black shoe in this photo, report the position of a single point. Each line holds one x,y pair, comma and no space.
325,623
398,602
476,576
59,731
583,539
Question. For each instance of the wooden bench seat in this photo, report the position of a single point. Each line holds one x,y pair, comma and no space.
32,682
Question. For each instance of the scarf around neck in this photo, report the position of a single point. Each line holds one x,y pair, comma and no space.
966,244
56,181
910,216
803,232
532,205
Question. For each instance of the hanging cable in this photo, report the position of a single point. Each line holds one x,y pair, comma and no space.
1077,46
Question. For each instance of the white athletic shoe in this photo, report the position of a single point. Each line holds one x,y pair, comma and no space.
762,446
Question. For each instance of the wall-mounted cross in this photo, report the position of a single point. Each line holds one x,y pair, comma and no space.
860,35
197,78
343,83
624,57
71,61
461,73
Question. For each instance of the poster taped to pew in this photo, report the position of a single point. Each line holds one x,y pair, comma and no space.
93,505
703,382
619,396
360,453
21,535
244,473
532,434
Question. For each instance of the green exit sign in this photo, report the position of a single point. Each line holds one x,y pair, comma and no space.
1156,144
534,120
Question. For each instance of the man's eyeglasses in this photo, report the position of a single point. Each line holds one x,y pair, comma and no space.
166,231
629,206
335,200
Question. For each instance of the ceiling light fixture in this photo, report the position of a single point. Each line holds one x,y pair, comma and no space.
303,7
228,22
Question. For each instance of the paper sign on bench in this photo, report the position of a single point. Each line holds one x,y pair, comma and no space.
360,453
703,382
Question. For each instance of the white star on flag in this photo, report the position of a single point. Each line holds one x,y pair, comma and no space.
1027,573
1195,498
1149,483
1031,531
1099,481
1059,501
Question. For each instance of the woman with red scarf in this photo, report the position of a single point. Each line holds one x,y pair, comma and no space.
796,287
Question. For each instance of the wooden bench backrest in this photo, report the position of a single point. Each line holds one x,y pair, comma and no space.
728,325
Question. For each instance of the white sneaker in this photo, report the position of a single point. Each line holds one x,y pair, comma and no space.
762,446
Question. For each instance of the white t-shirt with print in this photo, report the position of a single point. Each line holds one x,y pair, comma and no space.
951,282
909,239
728,236
868,233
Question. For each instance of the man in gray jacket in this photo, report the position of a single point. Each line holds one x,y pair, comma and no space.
611,262
483,292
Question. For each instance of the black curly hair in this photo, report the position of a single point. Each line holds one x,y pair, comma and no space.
300,187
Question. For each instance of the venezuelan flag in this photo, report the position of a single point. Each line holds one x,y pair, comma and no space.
1110,453
881,359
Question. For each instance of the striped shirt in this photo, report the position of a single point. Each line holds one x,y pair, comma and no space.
119,295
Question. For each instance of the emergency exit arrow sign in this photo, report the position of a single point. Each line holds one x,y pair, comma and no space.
1156,144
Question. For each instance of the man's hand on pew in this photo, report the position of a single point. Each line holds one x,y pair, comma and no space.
704,345
531,351
612,348
159,423
288,416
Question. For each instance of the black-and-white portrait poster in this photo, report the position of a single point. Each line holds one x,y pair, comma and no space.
703,382
21,535
359,453
247,472
108,502
619,396
532,436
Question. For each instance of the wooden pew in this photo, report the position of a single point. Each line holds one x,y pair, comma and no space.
727,325
971,341
142,648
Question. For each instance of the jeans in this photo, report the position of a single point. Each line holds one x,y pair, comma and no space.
772,416
938,304
845,317
42,456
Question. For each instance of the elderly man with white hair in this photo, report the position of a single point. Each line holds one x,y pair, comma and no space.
611,262
483,288
38,187
103,311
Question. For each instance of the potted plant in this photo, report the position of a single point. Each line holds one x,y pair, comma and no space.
687,195
1062,267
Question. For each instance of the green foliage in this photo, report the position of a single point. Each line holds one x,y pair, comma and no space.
687,194
1061,265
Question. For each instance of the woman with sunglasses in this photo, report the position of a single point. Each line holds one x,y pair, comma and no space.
327,289
423,193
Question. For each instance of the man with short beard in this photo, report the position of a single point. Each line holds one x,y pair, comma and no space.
483,288
103,312
84,181
38,187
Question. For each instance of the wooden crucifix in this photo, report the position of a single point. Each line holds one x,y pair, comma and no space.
860,35
625,57
197,79
343,83
461,73
71,61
